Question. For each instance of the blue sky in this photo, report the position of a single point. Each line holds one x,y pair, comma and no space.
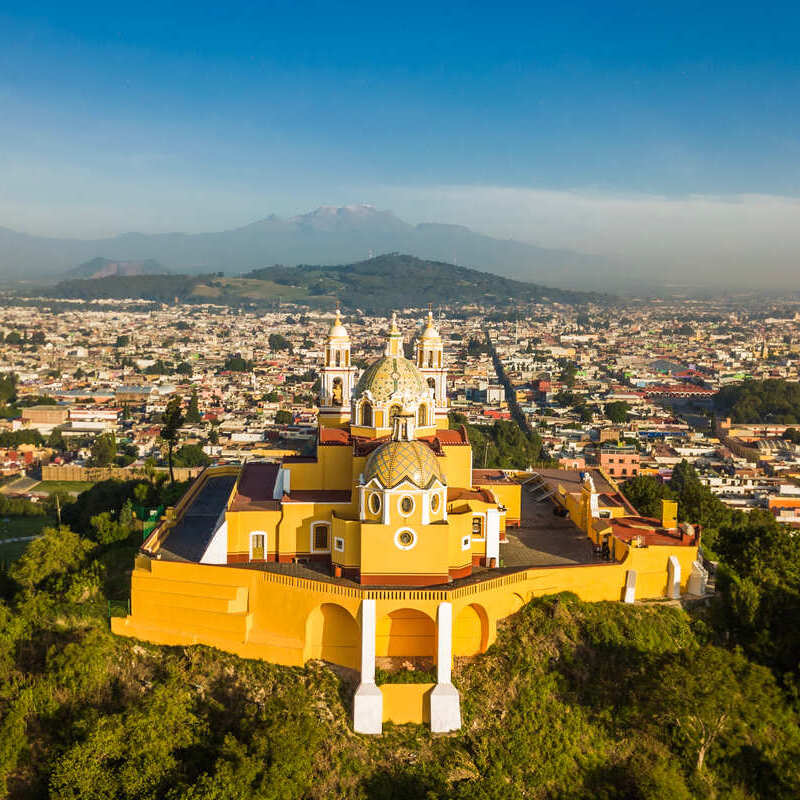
200,116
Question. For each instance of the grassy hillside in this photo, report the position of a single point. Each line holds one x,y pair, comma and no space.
374,286
575,700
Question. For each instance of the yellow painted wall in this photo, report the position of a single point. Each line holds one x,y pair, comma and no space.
508,495
407,702
258,614
380,555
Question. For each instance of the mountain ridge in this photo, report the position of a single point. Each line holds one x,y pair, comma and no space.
329,235
377,285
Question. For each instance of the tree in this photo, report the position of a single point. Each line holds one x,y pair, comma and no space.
184,368
646,493
712,702
279,342
617,411
235,364
193,410
56,551
104,448
171,423
123,340
56,440
191,455
283,417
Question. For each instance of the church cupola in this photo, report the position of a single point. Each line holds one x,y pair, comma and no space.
337,376
394,347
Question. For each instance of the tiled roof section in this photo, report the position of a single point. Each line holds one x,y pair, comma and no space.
334,436
490,476
391,375
629,528
394,462
571,480
256,487
451,437
317,496
455,493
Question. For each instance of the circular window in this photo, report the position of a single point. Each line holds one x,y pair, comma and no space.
374,503
405,538
435,502
406,505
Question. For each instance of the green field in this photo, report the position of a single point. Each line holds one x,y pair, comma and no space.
14,527
73,487
11,551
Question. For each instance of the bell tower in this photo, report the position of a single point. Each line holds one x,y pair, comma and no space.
337,377
430,362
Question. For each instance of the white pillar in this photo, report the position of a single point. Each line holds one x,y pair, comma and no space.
697,580
630,586
673,578
445,701
368,700
492,536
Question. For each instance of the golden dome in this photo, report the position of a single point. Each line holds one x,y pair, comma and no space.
389,375
337,330
394,462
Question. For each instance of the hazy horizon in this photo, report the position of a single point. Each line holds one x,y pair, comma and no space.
663,140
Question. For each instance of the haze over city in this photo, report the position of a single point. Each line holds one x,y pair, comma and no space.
661,140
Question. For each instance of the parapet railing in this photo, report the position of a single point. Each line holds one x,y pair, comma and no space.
395,594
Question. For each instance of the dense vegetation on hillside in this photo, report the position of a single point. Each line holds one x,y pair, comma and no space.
575,700
378,285
772,400
393,281
501,444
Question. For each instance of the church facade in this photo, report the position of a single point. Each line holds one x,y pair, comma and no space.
385,544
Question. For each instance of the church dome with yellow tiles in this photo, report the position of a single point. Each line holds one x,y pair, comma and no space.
391,376
398,461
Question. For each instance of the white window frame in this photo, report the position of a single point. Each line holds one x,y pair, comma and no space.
266,542
338,544
399,545
481,514
403,496
466,542
377,496
315,524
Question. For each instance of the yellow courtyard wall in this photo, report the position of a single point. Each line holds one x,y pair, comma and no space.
508,495
259,614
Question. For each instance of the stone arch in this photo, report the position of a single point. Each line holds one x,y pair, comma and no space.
333,635
471,631
406,632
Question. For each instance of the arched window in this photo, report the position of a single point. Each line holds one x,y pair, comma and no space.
320,537
338,359
430,359
366,414
336,393
432,384
422,415
394,411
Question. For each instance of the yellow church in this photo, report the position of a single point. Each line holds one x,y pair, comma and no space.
386,546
